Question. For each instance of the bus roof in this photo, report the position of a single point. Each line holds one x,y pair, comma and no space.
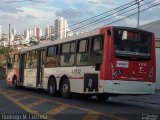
72,38
14,52
76,37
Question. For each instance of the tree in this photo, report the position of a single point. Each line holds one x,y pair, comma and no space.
5,52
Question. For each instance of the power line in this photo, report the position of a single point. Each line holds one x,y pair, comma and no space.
70,13
131,14
105,16
132,2
102,13
15,1
128,4
101,20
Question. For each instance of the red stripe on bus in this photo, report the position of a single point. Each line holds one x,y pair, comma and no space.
76,78
72,77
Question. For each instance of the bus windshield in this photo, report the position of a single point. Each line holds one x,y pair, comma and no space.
132,44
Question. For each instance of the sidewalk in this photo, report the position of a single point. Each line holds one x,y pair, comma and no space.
157,92
149,101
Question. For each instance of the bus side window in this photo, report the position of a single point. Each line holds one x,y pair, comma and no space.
28,65
67,54
16,61
82,52
52,56
96,50
33,56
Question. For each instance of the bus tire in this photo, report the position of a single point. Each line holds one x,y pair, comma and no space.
52,87
15,82
65,88
102,98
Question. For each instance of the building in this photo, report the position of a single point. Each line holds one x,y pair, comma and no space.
12,38
157,44
61,28
26,39
155,28
4,40
69,33
13,31
26,34
31,33
37,32
17,40
49,31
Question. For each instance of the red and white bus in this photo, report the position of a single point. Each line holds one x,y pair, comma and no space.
106,61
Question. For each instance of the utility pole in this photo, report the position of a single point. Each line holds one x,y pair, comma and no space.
9,35
138,13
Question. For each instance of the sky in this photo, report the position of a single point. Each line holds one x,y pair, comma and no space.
23,14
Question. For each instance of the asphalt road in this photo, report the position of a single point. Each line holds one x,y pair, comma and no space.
31,101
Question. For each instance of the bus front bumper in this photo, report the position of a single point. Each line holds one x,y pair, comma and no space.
128,87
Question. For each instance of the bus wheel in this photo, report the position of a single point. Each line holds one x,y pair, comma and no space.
65,88
52,87
102,98
15,82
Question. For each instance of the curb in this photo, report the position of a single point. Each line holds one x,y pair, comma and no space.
157,92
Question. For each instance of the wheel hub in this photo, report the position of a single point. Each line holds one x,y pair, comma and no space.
65,88
51,88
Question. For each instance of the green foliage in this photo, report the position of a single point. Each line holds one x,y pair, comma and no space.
5,52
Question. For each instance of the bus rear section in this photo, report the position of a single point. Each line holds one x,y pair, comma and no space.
130,55
13,69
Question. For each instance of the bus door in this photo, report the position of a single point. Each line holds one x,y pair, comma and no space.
40,66
22,66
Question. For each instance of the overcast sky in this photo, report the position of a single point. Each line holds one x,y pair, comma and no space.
30,13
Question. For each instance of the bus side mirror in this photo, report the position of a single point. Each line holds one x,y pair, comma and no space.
9,65
97,67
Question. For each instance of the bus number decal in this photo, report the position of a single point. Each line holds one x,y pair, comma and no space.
76,71
142,66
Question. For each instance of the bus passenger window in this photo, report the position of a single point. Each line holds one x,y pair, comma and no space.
16,61
96,50
28,65
82,54
10,62
33,56
67,54
52,56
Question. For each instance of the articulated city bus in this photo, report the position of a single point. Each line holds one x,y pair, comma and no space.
106,61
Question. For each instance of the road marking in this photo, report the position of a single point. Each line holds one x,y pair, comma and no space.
35,103
14,94
23,98
91,116
57,109
63,105
19,104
